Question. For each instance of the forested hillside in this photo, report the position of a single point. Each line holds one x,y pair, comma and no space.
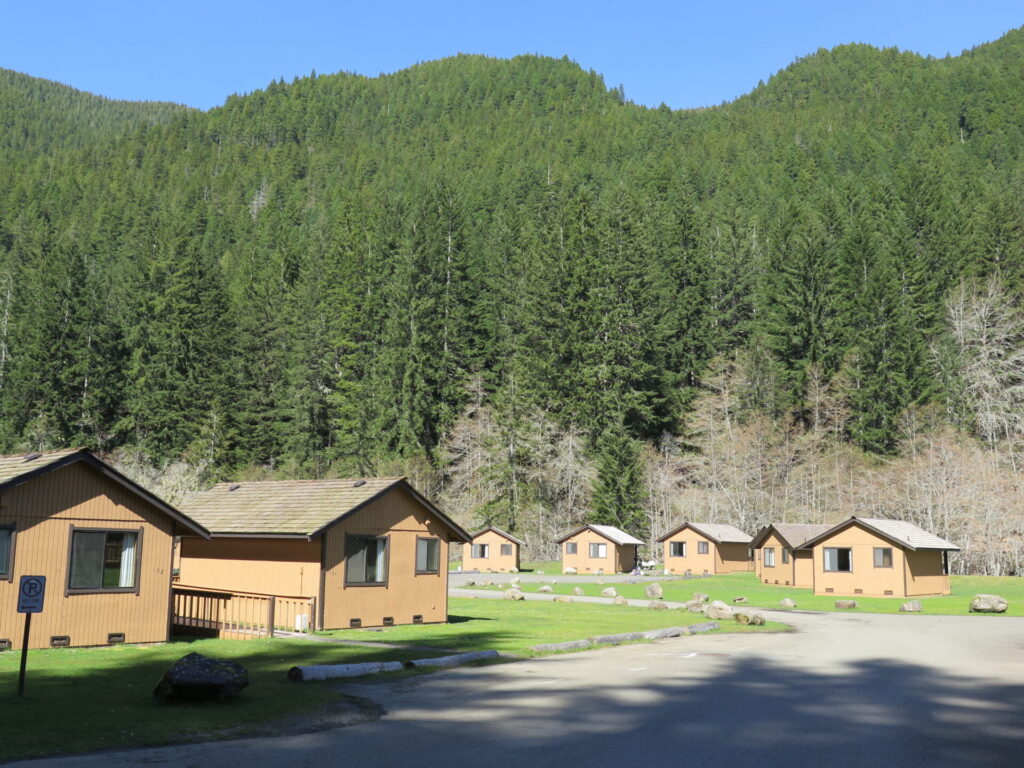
542,302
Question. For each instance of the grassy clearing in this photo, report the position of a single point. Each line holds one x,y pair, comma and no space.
548,566
82,699
728,586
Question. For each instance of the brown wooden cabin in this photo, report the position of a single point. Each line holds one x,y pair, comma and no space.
594,548
880,558
492,550
706,548
104,544
780,556
367,552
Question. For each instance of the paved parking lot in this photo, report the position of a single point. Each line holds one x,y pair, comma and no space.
844,690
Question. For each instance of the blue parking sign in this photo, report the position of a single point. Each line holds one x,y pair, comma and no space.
31,591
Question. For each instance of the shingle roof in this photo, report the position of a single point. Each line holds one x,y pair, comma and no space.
292,507
898,531
796,534
20,468
500,532
721,533
610,532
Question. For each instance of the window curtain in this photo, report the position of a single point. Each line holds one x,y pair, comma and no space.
127,576
381,564
831,559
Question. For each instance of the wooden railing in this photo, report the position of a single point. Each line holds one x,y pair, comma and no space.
238,615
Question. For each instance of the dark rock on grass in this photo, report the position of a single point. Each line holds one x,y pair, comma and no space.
199,678
739,600
748,618
846,604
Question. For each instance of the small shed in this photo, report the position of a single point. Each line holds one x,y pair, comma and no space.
492,549
780,556
594,548
364,552
706,548
881,558
103,542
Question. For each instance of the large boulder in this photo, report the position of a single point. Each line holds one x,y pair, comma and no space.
545,589
787,602
912,606
749,618
654,591
701,596
199,678
718,610
609,592
578,591
845,605
658,605
988,604
514,594
695,606
569,571
620,600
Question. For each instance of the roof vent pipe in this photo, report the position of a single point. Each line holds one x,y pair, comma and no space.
358,483
234,487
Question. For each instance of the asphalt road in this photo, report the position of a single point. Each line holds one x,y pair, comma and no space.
844,690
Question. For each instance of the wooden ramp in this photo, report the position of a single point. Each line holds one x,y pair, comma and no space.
201,612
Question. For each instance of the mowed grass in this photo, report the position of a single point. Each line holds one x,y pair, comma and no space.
83,699
728,586
547,566
512,627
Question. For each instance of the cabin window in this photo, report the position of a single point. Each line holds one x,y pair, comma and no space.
769,557
838,559
702,547
883,557
677,549
785,555
428,555
598,550
6,553
366,560
481,551
506,550
571,547
103,560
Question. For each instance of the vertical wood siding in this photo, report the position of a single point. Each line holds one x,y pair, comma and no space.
495,561
796,573
261,565
621,557
925,574
720,558
864,576
402,519
43,511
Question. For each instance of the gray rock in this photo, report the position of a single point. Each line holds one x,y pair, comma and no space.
658,605
199,678
747,618
569,570
578,591
620,600
988,604
545,589
654,591
701,596
488,583
600,581
539,573
913,606
740,600
609,592
599,572
718,610
787,603
514,594
562,599
844,605
513,570
515,581
695,606
500,586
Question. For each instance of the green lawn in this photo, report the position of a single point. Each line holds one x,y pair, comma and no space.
81,699
513,626
728,586
548,566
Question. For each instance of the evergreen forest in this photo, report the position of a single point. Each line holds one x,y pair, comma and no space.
543,303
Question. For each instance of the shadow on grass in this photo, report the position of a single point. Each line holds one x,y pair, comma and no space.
463,619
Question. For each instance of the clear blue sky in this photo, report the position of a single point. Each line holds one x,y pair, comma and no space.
685,53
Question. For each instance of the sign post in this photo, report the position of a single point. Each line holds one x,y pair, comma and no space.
31,591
